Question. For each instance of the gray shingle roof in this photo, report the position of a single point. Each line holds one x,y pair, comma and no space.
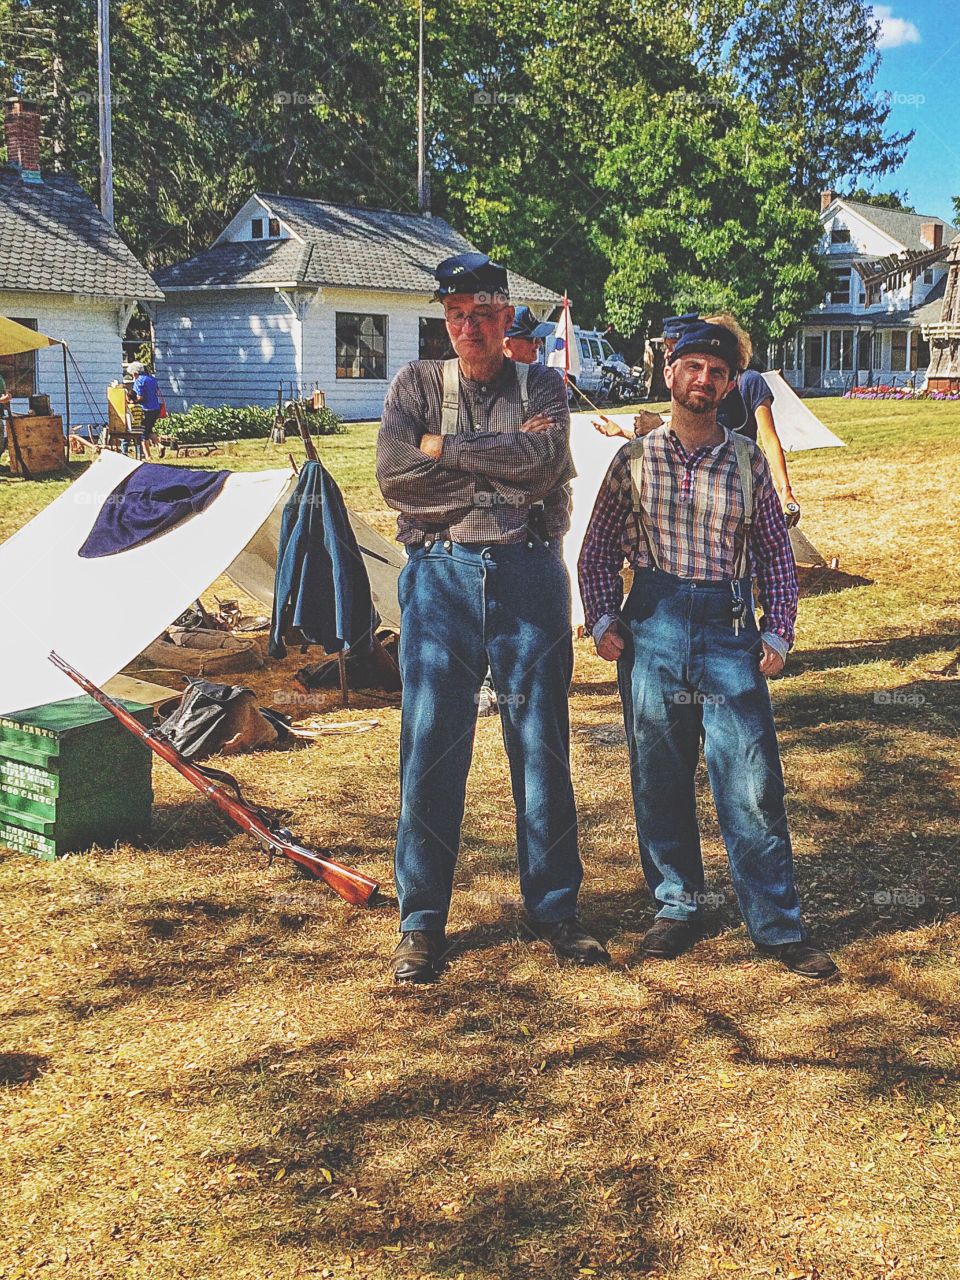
903,227
926,312
54,240
342,246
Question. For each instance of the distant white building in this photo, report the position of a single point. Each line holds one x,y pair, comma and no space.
64,271
301,293
869,327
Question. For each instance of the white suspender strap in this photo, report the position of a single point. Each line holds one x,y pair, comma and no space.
450,407
741,448
523,372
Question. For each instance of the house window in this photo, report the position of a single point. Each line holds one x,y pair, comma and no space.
840,235
434,340
840,287
898,350
19,371
876,356
928,276
361,345
919,352
863,351
273,228
256,229
790,354
840,345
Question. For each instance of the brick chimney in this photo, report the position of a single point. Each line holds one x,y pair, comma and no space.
21,127
826,200
931,233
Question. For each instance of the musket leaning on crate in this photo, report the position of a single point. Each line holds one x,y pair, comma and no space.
352,886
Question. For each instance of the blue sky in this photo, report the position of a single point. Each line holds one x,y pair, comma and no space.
921,71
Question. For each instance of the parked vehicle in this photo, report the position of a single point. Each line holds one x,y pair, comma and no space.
621,384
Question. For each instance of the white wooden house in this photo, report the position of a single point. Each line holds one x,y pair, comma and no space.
302,293
64,271
861,334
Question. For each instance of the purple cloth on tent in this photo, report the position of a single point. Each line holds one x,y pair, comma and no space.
151,500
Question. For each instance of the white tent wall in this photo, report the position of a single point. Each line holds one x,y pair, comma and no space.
99,614
797,425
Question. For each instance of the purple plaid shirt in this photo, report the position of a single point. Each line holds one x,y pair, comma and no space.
693,512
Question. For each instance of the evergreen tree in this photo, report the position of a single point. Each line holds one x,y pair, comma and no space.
810,65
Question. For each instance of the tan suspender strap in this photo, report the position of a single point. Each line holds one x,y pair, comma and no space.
638,471
450,407
741,448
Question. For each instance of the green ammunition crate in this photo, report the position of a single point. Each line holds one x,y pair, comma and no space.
70,776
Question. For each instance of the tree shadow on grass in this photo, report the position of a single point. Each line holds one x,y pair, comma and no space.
21,1068
896,649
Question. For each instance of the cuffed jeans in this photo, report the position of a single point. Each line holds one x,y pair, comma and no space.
464,609
685,671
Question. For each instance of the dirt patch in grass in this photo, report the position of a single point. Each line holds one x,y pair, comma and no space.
204,1071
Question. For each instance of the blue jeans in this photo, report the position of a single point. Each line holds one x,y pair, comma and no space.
464,609
685,671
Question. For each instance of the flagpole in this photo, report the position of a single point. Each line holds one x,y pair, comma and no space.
566,342
106,113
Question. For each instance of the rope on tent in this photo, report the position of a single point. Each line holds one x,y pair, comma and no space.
85,388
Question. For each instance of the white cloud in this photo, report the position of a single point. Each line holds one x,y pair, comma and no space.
894,31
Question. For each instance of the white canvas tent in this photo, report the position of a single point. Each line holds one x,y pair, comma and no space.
100,614
797,425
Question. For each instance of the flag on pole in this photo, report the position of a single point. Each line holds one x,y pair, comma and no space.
563,349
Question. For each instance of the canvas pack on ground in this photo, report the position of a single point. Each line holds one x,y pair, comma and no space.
221,718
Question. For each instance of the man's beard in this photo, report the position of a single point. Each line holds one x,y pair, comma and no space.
701,406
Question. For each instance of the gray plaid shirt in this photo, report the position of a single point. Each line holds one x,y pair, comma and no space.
481,488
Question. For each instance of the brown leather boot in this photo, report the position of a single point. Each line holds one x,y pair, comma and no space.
805,958
419,955
570,941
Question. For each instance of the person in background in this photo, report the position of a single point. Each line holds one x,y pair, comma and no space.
146,393
5,398
692,508
748,410
522,341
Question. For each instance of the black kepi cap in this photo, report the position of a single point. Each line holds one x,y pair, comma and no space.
471,273
674,326
708,339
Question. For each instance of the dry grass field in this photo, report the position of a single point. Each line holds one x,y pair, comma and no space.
205,1073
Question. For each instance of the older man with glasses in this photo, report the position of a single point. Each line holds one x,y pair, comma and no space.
467,449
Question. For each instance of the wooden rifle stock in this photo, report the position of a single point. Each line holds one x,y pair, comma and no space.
352,886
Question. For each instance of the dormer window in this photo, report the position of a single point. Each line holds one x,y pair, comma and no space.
839,235
264,228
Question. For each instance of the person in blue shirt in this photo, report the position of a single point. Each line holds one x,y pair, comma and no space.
146,393
747,409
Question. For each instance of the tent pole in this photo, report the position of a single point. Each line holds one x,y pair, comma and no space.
66,385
